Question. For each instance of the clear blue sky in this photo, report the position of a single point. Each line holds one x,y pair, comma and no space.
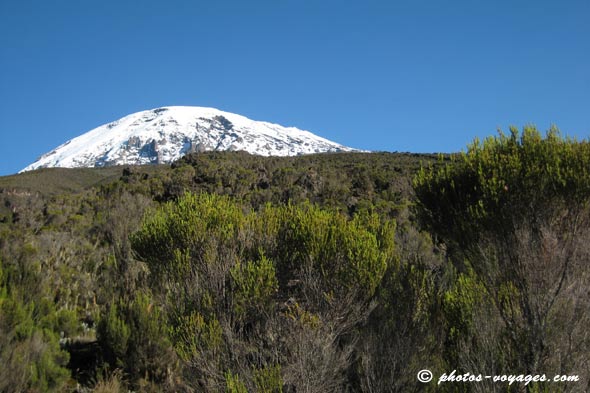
410,75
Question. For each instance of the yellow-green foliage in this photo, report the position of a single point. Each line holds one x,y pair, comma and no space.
503,180
223,271
268,380
347,253
197,229
233,384
179,231
460,303
511,213
254,285
302,317
191,335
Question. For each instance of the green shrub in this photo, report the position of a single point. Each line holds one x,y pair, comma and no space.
515,210
268,380
113,334
30,355
233,384
255,284
191,335
133,337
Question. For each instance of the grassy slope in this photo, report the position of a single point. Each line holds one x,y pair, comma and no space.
53,181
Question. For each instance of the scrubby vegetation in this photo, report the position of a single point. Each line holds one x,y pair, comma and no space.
227,272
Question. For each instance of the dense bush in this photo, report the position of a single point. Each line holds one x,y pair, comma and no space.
323,273
29,350
236,285
514,214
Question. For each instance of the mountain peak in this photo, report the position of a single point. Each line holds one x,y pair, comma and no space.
165,134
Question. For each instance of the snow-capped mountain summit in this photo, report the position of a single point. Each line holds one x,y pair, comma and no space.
165,134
